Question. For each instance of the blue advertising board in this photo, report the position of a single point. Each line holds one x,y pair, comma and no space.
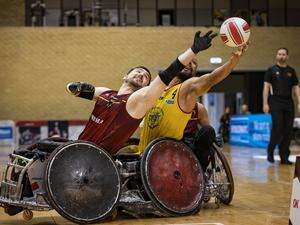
6,133
250,130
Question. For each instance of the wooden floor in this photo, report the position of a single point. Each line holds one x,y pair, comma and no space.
262,196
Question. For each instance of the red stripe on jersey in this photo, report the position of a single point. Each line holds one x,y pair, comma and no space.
235,33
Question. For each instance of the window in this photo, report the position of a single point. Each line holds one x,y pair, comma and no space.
258,10
148,12
221,11
240,8
128,12
293,13
166,12
203,12
276,15
185,13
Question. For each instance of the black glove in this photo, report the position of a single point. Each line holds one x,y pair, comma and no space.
83,90
74,88
204,42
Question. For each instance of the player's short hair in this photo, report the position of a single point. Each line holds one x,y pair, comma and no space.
283,48
142,67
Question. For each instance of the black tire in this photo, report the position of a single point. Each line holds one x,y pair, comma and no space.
226,199
107,201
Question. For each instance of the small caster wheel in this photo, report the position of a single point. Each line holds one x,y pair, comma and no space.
27,214
206,199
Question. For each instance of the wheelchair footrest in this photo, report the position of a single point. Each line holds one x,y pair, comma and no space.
131,202
24,204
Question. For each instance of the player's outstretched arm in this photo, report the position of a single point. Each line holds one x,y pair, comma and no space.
144,99
85,90
200,43
197,86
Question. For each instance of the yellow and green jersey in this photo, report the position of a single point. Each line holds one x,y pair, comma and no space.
166,119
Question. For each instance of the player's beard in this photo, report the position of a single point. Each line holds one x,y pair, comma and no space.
134,85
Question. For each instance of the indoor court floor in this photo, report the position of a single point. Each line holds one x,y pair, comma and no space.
262,196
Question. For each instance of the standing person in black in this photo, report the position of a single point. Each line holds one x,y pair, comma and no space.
280,82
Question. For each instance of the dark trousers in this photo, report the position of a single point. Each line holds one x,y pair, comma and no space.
282,112
201,144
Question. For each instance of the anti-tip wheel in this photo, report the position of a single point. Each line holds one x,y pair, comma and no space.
27,214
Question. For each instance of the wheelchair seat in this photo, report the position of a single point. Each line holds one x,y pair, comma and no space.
47,146
50,144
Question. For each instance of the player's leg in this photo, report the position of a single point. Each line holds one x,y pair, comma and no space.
276,133
284,151
203,141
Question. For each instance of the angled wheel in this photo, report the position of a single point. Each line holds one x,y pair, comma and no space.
172,177
224,176
82,182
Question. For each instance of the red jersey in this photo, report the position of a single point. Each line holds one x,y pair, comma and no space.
110,126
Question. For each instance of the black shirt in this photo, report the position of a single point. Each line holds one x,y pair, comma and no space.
282,80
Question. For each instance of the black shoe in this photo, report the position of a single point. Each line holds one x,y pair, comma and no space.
286,162
271,159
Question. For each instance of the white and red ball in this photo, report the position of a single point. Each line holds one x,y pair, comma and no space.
235,32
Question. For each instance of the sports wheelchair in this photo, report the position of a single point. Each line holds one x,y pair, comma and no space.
85,184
